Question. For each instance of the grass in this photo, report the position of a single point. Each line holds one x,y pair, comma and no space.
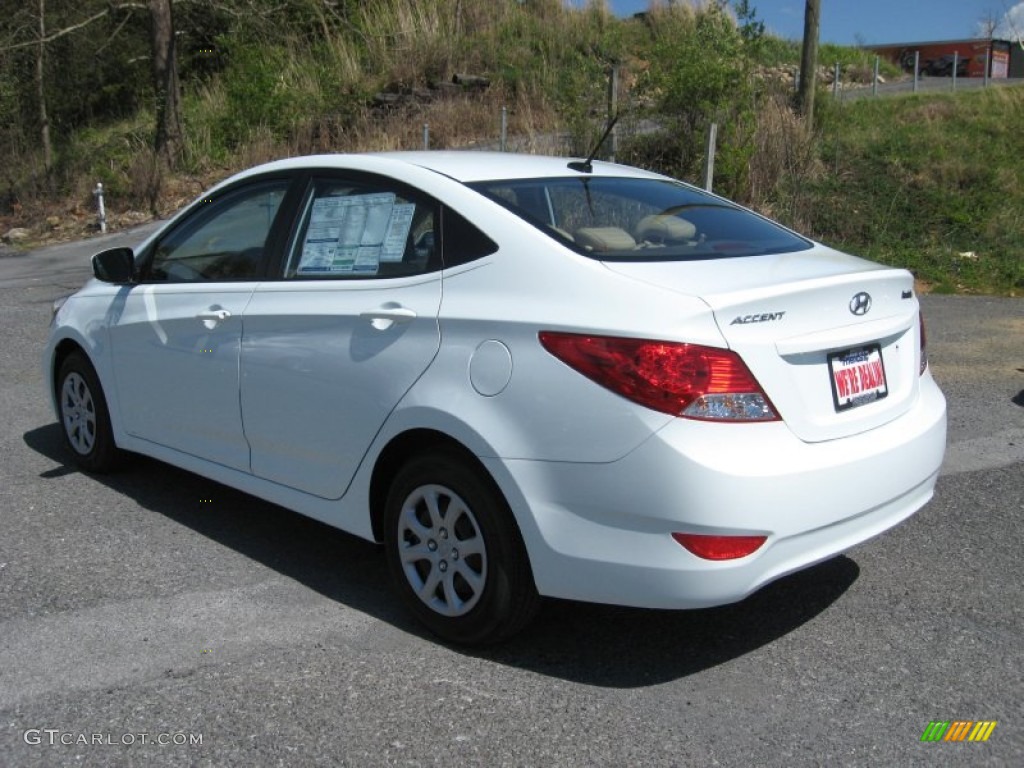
932,183
856,64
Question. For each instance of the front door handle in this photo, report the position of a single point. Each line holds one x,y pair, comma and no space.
383,318
213,317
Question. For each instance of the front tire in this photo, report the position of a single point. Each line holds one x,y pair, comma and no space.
455,552
84,418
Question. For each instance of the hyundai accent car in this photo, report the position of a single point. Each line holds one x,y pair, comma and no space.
524,376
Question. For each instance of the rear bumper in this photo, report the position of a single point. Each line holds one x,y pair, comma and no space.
601,532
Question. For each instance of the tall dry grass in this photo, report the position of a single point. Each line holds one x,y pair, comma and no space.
784,163
411,40
666,17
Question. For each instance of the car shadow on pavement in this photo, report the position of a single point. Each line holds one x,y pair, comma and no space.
592,644
631,647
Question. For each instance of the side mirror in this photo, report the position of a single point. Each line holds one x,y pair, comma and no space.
115,265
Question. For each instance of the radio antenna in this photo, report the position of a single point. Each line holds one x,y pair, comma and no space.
587,166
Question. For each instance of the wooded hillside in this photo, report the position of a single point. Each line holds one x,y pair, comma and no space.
156,99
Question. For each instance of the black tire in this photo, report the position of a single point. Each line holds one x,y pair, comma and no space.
479,596
84,418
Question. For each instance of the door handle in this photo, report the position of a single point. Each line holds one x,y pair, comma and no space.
383,318
213,317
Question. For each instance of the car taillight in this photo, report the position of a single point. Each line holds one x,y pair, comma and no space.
719,547
924,345
679,379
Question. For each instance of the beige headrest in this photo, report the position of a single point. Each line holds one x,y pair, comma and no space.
660,228
605,239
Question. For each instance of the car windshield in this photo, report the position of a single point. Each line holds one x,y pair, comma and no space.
632,219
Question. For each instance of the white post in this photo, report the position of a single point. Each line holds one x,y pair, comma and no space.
426,135
101,209
956,62
874,80
709,163
504,129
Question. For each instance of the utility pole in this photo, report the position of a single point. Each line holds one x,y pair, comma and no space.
809,59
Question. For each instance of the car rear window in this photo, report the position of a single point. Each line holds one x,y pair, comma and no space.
631,219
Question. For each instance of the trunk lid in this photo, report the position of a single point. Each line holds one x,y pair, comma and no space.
832,339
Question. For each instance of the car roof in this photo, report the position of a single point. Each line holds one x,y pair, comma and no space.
461,165
474,165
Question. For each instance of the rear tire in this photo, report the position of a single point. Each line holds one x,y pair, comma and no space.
84,418
455,552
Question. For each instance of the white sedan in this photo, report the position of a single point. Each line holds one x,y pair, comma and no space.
523,376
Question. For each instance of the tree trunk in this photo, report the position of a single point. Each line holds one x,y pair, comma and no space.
44,120
168,144
809,59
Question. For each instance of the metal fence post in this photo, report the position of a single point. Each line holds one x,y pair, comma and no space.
835,80
874,79
426,135
709,154
956,62
985,83
504,129
613,108
917,66
101,215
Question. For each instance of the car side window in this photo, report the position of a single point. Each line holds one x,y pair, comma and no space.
224,240
364,229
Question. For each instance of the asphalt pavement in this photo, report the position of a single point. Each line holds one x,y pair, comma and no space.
155,606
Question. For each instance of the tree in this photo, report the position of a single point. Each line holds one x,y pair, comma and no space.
751,27
41,39
44,120
168,141
987,25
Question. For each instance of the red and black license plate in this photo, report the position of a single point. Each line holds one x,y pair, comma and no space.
858,376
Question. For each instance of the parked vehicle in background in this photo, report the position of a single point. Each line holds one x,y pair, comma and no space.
943,66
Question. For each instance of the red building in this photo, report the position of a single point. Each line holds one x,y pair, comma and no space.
937,58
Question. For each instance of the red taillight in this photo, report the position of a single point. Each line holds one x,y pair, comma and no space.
680,379
719,547
924,344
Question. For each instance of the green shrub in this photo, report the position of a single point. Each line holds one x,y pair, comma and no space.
700,74
254,91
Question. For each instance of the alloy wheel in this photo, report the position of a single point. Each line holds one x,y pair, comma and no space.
79,413
442,550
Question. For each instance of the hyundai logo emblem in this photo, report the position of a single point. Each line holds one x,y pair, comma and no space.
861,303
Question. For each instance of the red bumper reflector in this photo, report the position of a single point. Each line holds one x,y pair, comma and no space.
719,547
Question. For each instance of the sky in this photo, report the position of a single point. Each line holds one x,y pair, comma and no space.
873,22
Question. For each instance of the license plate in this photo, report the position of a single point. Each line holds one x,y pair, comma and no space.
858,377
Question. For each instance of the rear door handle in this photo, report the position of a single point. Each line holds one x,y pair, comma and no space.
213,317
383,318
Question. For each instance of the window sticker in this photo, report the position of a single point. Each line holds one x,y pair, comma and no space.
354,234
393,248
